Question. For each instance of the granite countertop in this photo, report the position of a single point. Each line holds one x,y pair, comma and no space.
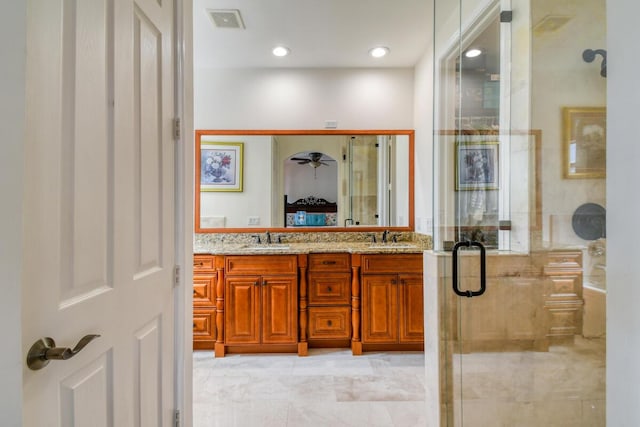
314,247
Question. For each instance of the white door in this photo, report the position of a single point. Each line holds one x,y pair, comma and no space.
99,211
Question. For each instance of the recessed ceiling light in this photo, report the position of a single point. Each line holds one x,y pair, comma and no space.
280,51
379,52
472,53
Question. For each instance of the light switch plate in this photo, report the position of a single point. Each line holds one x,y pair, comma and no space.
253,220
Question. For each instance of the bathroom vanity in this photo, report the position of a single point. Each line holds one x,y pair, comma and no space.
288,298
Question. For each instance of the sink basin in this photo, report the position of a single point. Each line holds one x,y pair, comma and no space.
391,246
271,247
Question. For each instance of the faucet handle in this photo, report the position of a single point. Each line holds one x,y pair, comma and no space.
257,237
373,238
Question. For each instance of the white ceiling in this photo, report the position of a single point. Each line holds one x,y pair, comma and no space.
320,33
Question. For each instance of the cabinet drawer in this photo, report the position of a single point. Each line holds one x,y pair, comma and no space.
329,262
329,322
564,260
204,290
261,264
329,288
408,263
203,325
203,262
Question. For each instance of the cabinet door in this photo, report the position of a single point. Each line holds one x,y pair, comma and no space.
380,308
242,310
279,310
411,305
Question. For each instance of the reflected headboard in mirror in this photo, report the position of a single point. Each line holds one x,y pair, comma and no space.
313,211
366,178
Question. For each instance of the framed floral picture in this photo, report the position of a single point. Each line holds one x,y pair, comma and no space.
220,165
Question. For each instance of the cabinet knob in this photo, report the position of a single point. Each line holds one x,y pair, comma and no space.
255,283
329,322
329,289
328,262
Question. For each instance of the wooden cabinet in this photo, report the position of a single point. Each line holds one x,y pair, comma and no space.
392,300
329,299
204,310
260,301
563,294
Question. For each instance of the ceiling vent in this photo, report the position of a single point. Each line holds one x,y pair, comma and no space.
226,18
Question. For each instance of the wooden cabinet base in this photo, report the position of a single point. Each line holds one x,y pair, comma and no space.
356,348
259,348
393,347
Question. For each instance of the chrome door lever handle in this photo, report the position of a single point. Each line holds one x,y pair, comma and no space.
44,350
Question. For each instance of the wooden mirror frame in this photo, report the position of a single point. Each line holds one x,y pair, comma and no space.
355,228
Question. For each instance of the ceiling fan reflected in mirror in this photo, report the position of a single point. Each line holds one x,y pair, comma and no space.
314,160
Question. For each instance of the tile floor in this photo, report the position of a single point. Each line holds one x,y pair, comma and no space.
562,387
327,388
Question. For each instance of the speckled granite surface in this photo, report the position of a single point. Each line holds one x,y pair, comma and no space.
299,243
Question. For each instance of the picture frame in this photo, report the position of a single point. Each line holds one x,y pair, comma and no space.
584,142
219,165
476,166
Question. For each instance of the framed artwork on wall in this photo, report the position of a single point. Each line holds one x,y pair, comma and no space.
219,165
585,142
476,166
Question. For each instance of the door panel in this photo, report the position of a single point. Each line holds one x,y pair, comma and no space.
100,211
380,313
242,310
411,316
279,310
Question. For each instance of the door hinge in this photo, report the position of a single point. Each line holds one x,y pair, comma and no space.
176,418
176,275
177,128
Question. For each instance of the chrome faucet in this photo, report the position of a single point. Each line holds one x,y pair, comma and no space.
385,235
268,238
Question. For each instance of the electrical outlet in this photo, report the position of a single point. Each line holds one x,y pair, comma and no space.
253,220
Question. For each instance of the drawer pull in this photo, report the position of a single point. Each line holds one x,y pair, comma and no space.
328,262
194,292
255,283
329,323
329,289
198,264
194,326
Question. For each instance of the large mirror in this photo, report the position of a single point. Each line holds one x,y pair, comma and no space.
322,180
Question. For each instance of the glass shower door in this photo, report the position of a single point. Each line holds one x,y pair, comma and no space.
519,208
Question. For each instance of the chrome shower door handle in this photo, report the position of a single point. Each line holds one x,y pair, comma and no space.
44,350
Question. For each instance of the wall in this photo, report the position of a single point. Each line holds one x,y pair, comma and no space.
12,108
575,83
303,98
623,205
